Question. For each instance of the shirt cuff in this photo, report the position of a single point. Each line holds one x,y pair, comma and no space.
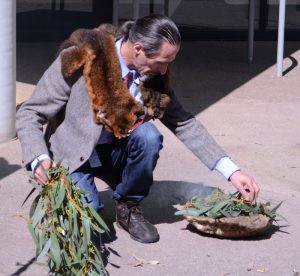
38,159
226,167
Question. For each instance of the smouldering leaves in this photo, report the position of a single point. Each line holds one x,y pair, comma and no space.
219,204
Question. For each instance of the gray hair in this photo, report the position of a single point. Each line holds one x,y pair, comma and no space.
151,31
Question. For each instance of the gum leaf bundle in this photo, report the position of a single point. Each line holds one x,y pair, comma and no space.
63,227
218,205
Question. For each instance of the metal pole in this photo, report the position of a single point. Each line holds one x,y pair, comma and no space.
116,12
136,9
251,22
280,40
7,69
151,6
53,5
62,5
166,8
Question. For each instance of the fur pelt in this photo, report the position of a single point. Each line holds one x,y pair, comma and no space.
93,52
156,94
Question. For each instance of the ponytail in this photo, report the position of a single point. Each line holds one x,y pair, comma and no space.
125,29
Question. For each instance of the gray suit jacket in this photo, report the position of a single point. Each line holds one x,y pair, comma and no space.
71,134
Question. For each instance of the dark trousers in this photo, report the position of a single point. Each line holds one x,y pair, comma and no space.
127,166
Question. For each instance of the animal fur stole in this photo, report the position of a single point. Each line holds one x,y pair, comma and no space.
93,51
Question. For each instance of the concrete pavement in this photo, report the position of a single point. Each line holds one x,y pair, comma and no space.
252,114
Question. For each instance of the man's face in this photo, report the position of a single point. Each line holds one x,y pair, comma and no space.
157,64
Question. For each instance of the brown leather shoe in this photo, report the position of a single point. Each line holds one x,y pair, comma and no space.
130,218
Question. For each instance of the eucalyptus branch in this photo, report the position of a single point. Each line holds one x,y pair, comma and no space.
63,226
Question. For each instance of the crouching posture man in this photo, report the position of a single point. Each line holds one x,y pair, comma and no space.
90,149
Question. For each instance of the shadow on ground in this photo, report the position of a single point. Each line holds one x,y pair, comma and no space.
205,72
202,74
23,267
158,207
6,168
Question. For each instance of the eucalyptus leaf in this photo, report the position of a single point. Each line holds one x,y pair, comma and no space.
203,210
38,215
36,185
34,205
75,223
87,231
225,213
55,248
45,249
83,192
97,228
234,213
98,218
67,258
188,212
212,214
276,207
60,197
220,206
34,236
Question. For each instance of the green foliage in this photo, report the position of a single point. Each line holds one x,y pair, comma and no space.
218,205
63,226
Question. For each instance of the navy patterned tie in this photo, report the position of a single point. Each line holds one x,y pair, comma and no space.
128,79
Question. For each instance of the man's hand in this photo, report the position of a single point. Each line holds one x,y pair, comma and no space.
40,173
245,184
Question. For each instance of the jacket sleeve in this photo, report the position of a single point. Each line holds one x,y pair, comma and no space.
192,133
50,95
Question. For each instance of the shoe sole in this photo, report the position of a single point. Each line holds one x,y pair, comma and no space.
136,239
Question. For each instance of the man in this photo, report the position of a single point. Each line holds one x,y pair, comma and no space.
146,48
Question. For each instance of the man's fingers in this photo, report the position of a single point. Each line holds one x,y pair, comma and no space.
41,179
256,188
245,185
40,173
245,192
251,189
